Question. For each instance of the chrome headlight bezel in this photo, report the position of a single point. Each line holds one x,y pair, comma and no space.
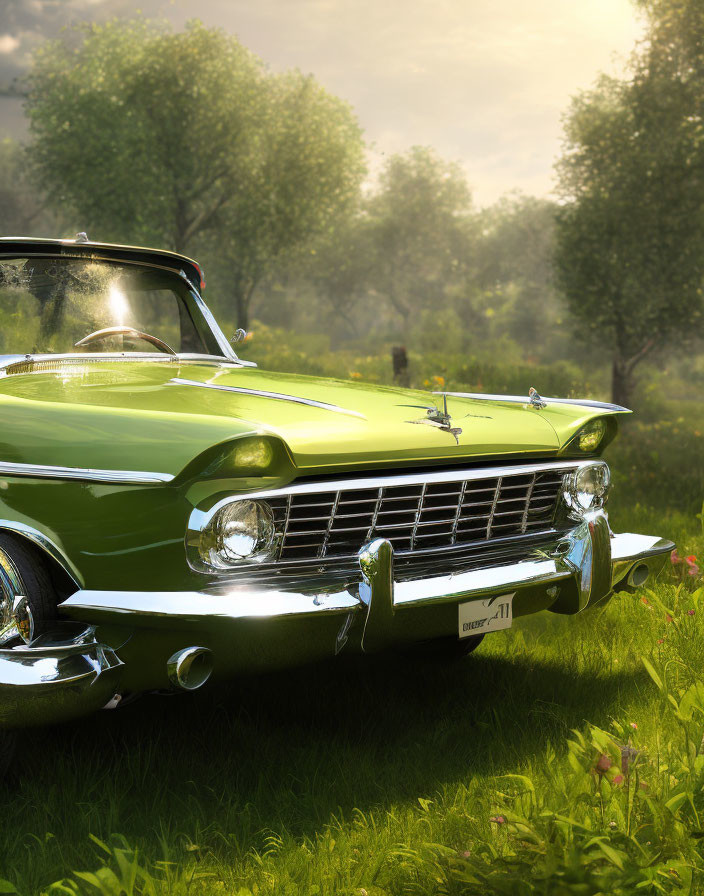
586,488
234,533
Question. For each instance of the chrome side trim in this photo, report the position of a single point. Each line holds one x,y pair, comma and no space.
123,477
277,396
525,399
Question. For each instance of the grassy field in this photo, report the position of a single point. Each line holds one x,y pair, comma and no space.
566,756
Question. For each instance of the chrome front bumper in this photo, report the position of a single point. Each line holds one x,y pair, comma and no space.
587,564
250,628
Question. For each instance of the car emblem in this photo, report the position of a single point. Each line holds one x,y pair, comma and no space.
440,419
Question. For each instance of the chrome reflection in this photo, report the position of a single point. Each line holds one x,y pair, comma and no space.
59,675
234,603
16,620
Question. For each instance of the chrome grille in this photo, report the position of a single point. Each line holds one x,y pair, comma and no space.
416,515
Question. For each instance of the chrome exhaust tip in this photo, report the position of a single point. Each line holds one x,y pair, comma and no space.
639,575
190,668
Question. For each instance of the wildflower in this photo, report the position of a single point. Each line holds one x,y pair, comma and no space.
634,726
691,561
690,612
603,763
612,825
466,854
618,779
661,640
644,600
668,618
355,375
675,557
498,819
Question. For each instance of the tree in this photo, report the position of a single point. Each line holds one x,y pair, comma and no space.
303,179
514,271
338,267
420,224
23,209
630,236
187,140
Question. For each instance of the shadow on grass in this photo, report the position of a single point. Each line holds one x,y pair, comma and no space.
285,752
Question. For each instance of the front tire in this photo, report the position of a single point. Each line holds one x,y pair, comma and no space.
23,574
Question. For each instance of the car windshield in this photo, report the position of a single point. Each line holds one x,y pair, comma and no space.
50,305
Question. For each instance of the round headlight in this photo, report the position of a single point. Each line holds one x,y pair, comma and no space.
590,436
587,487
240,531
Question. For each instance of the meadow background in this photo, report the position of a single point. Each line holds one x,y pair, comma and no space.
566,755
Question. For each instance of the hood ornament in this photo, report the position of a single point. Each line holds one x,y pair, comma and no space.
535,399
437,418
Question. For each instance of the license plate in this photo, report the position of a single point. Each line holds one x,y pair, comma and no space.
490,615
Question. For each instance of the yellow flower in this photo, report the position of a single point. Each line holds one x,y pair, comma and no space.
355,375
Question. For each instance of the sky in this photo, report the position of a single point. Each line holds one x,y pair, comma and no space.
484,82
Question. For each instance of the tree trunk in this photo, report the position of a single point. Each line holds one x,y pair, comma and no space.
621,382
242,308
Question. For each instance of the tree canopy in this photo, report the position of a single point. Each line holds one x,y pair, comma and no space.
630,236
160,138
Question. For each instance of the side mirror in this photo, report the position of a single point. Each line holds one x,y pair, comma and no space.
240,336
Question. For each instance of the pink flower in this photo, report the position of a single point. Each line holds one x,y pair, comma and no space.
693,570
690,612
675,557
661,640
603,763
497,819
618,779
466,854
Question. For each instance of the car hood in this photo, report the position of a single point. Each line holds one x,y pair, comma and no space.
159,416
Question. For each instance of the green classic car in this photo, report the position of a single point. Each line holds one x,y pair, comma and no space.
169,513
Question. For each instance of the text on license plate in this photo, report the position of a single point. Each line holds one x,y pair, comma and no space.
490,615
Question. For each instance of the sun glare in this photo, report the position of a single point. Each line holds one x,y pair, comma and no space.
118,304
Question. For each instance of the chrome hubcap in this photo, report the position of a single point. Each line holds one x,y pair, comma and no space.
16,619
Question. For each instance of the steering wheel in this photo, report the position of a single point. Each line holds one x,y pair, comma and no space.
125,331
